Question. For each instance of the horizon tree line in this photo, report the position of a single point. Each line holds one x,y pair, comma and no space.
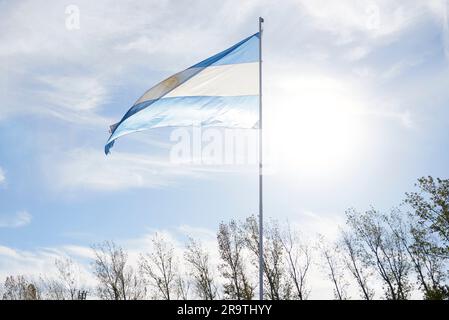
396,255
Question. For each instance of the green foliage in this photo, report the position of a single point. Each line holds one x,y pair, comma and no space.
431,206
231,245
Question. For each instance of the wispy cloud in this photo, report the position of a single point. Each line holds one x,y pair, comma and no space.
91,169
40,262
354,20
2,176
67,74
357,53
445,22
73,98
17,220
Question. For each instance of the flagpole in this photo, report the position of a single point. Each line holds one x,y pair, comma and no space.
261,262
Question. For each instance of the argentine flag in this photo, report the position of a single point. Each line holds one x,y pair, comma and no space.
222,90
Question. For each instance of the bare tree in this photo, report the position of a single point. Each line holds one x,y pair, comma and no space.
20,288
298,256
65,284
383,251
231,243
69,274
182,287
334,268
353,260
117,280
201,271
277,285
160,266
52,289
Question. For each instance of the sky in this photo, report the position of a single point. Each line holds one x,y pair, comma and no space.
355,110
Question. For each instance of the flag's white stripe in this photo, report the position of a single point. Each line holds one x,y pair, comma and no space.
224,80
168,84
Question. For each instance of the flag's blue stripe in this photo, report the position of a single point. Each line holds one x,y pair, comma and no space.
202,110
245,51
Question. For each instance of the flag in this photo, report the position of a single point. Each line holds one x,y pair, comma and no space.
222,90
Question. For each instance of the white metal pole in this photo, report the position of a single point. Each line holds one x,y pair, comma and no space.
261,262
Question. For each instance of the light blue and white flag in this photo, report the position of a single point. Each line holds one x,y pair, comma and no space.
222,90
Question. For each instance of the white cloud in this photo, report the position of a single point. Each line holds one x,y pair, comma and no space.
445,24
85,71
404,118
68,74
440,9
312,223
2,176
78,251
401,66
8,252
17,220
74,92
91,169
357,53
353,20
73,98
39,262
203,233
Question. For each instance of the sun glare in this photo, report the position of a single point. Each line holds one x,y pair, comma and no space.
317,129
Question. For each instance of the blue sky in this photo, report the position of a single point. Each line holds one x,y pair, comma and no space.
355,111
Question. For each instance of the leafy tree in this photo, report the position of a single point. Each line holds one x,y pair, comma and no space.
277,286
428,230
431,205
231,243
353,260
333,265
382,250
428,266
